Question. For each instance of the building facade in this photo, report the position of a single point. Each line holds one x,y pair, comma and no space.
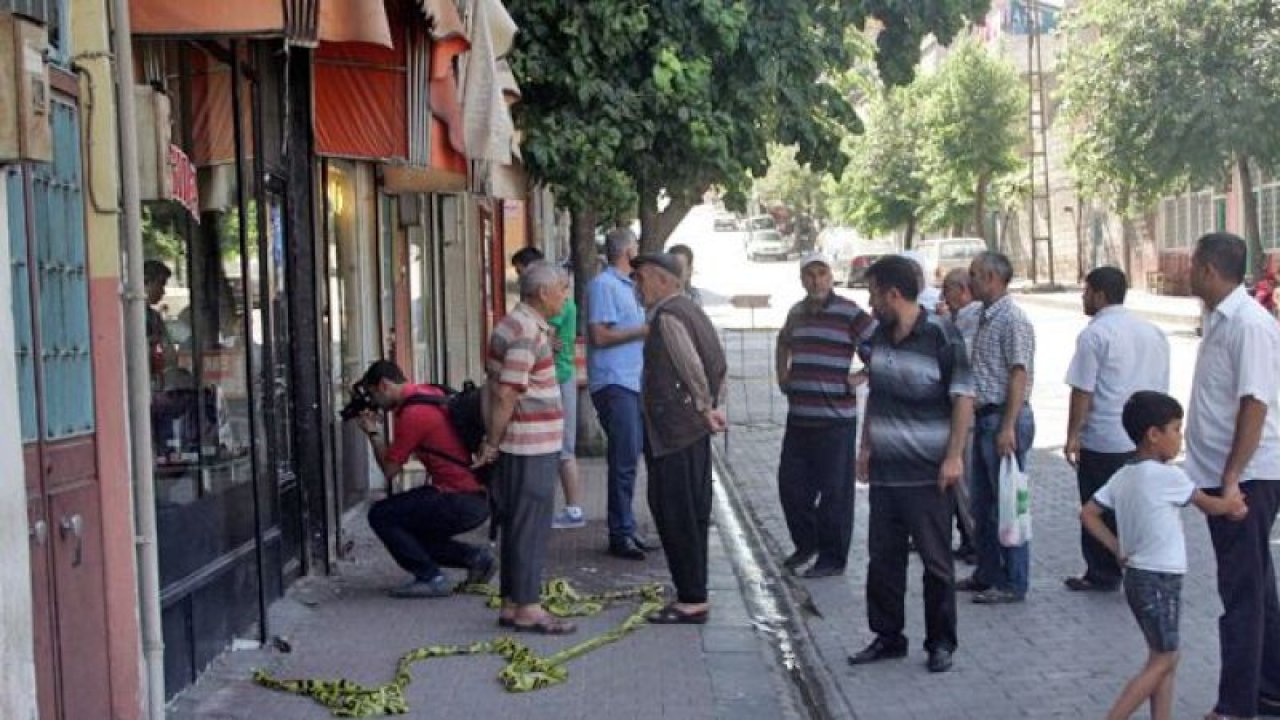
315,194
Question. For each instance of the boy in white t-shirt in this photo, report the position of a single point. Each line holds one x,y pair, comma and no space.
1147,496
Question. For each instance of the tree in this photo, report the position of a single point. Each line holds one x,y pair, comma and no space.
793,185
883,188
634,100
973,112
1172,94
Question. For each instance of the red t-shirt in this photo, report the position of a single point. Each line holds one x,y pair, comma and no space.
427,426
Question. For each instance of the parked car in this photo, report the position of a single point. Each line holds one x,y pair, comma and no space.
760,222
725,223
865,253
764,244
947,254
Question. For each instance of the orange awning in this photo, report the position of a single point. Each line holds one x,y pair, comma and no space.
301,21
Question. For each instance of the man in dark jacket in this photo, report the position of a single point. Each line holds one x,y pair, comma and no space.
681,388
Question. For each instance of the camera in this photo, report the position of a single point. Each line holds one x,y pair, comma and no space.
361,400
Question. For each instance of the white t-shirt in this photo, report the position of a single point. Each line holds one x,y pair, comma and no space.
1147,498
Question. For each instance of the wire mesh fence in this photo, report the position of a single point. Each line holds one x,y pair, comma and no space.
753,399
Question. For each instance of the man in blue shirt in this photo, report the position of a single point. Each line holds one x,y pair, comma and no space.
616,329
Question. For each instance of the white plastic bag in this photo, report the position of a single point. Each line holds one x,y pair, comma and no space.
1014,503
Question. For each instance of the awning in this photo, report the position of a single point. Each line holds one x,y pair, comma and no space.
303,22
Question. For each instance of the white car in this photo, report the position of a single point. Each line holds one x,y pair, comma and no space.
764,244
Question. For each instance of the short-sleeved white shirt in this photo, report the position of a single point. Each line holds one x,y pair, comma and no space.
1239,357
1147,498
1117,354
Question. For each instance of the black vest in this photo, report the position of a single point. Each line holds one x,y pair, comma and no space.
671,420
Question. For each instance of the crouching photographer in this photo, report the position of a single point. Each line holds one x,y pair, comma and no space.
418,527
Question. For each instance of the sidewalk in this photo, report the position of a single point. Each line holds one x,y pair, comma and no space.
1162,309
1058,655
345,626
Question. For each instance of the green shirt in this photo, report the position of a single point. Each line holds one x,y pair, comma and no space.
565,326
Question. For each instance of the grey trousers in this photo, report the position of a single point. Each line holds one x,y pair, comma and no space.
524,490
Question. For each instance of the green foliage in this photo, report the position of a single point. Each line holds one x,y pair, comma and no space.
796,186
906,23
624,100
883,187
1167,94
934,149
974,113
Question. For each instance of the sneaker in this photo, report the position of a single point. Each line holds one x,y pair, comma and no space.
569,518
436,587
482,568
997,596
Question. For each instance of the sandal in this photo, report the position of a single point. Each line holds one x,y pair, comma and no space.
669,615
545,626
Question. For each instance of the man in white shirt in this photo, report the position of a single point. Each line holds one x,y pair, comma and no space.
1233,448
1117,354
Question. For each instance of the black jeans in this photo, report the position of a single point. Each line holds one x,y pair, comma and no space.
417,528
680,502
815,486
922,513
1249,628
1101,567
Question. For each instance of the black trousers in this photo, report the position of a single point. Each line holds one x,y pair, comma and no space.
922,513
1249,628
417,528
1101,567
815,486
680,503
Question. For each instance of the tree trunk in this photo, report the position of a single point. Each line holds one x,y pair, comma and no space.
656,227
665,223
586,265
586,259
909,239
1252,232
980,208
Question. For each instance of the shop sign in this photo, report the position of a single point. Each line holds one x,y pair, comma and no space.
182,185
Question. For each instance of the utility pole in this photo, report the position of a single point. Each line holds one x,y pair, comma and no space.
1037,129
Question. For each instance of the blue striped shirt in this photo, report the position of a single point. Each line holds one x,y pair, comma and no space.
909,408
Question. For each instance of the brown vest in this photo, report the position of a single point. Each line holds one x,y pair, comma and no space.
671,422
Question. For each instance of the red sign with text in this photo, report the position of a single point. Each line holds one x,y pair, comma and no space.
183,181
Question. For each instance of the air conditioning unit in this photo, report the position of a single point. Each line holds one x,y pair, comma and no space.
155,130
25,105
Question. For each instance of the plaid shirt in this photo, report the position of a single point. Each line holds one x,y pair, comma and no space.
1005,340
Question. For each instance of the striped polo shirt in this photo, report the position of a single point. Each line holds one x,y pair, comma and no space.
822,340
912,385
520,356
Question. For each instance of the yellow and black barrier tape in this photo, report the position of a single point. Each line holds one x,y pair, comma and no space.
524,671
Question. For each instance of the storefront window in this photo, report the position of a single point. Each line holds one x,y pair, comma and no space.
351,214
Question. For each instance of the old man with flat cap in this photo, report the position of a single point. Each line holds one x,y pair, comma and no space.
681,393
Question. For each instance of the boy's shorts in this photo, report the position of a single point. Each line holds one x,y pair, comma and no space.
1155,599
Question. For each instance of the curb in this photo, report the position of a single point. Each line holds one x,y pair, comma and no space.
1155,316
810,672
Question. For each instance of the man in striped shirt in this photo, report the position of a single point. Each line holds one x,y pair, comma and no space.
815,474
917,424
524,422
